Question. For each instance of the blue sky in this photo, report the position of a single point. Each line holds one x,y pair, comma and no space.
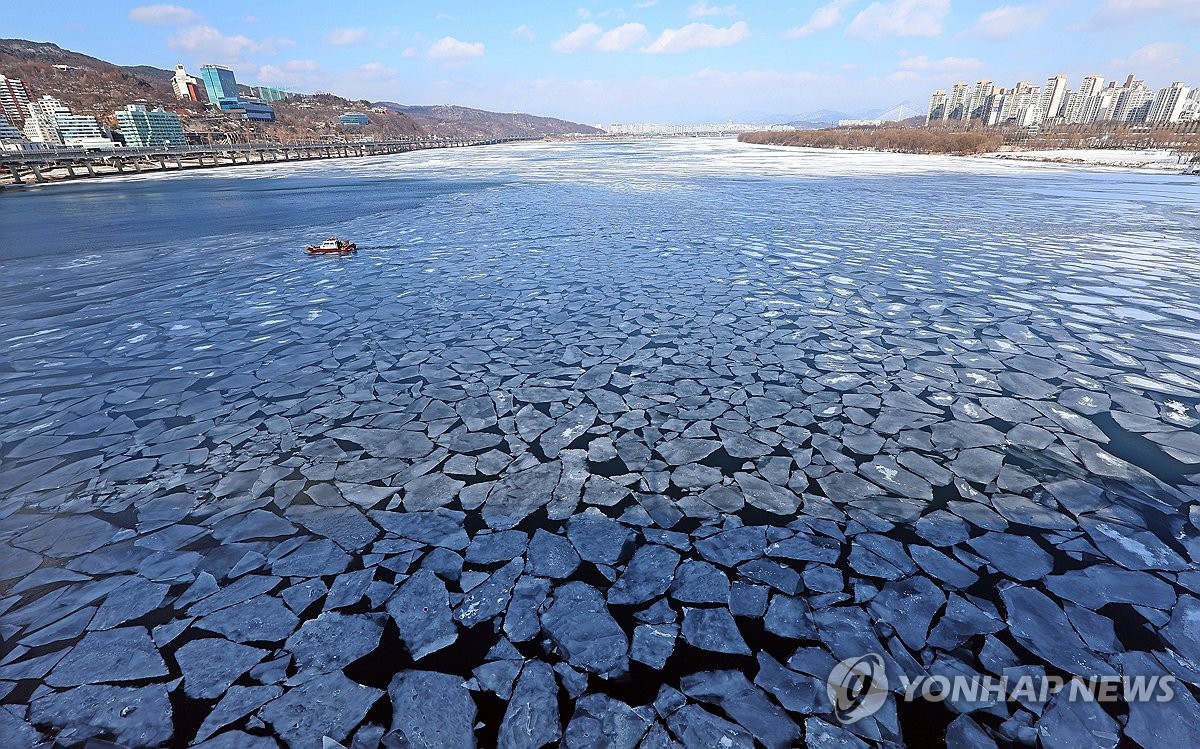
598,61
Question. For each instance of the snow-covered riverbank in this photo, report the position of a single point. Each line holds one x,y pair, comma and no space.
1150,159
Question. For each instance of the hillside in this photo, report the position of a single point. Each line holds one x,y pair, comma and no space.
90,85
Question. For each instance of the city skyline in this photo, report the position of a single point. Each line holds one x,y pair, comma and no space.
1096,100
647,60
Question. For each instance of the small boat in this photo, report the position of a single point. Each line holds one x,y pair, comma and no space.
332,246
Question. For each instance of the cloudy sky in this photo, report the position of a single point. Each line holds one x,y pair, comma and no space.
601,61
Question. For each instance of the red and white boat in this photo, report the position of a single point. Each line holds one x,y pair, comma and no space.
332,246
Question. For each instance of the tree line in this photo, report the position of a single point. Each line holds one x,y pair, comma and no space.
897,140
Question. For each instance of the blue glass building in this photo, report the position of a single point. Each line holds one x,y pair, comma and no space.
353,118
222,89
220,85
256,109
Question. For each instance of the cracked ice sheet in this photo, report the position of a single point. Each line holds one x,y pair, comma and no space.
212,426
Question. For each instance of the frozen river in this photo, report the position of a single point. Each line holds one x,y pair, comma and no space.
626,441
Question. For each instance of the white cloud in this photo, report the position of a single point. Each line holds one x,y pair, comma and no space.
307,66
293,73
577,40
345,37
162,15
922,63
450,49
822,18
621,38
205,41
697,36
900,18
702,9
645,4
1008,21
375,71
1155,56
1115,13
524,33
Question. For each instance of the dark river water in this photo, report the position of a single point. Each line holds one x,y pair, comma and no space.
607,444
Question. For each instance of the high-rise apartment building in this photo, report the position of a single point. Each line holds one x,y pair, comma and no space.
980,102
1078,103
1100,107
1191,107
1137,105
1000,101
1053,97
1168,104
1072,108
937,107
50,121
150,127
1091,85
14,99
1029,106
956,104
82,131
41,120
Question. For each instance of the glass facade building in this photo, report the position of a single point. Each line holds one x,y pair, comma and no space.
256,109
220,85
142,127
272,93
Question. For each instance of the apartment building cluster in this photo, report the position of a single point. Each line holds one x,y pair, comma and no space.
48,122
1094,101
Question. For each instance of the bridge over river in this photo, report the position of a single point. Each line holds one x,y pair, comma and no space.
24,167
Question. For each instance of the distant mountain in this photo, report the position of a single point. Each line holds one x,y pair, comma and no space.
448,119
825,117
806,120
830,116
91,85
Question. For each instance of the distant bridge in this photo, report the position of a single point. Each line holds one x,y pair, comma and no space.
901,111
643,136
43,165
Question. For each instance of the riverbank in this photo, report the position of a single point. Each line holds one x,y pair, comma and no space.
1150,159
28,168
895,140
974,145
